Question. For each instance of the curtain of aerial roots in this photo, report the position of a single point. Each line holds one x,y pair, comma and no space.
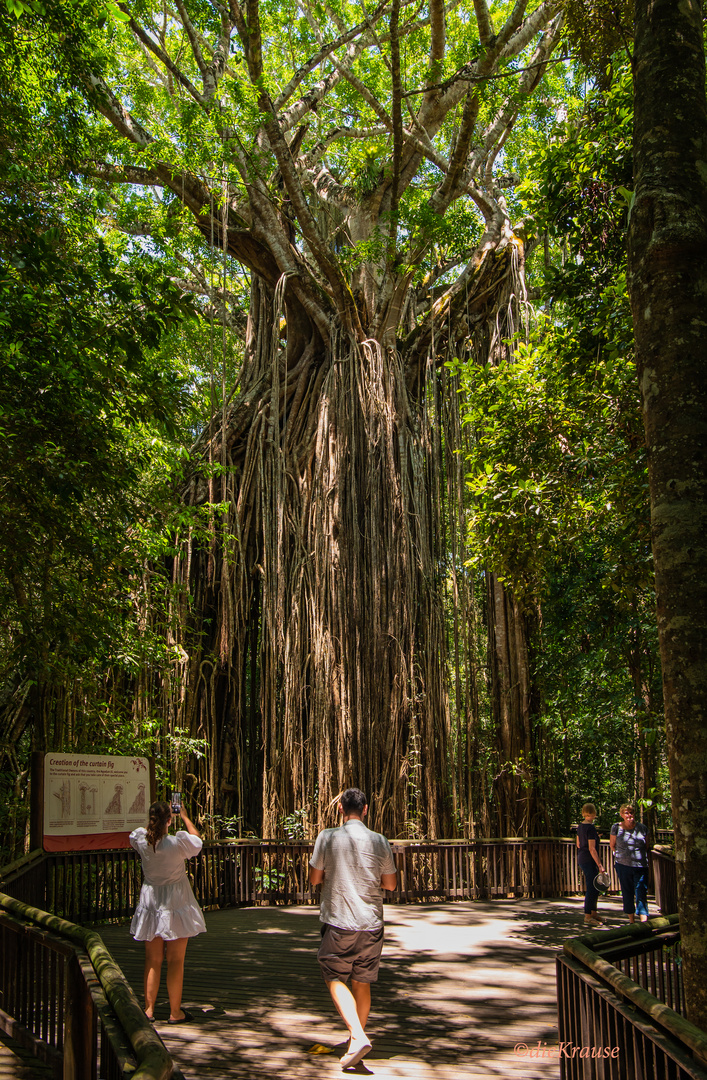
311,631
510,632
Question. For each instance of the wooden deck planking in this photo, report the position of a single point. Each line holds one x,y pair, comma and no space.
16,1063
460,985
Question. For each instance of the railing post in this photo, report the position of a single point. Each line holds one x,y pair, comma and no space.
79,1026
544,862
36,819
666,895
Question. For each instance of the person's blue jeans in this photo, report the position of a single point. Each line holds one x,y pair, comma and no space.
590,870
634,888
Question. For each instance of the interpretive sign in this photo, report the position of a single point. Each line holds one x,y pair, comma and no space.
93,801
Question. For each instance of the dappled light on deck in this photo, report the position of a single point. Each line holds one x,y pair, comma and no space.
460,986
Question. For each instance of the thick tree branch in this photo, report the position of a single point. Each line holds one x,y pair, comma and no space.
436,60
365,93
240,24
495,151
316,153
310,102
326,50
423,145
192,35
204,44
162,56
483,21
330,190
511,25
123,174
452,181
307,223
531,76
254,252
334,16
427,292
215,69
468,299
255,41
531,26
397,127
110,106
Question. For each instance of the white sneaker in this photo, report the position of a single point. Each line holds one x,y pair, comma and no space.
355,1052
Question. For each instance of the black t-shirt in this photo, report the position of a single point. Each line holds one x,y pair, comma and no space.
585,832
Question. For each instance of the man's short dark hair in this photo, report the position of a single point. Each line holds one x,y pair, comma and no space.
353,801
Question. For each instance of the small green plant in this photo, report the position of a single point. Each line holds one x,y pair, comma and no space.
294,825
268,879
222,827
656,798
180,745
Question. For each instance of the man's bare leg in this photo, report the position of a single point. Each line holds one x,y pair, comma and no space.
346,1004
362,996
347,1007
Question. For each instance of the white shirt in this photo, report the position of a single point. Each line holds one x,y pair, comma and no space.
353,860
165,865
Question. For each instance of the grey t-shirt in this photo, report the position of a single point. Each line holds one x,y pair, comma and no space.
353,860
630,846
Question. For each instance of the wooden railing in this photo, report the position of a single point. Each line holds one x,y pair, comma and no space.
26,878
665,879
100,886
64,998
620,1001
598,975
93,886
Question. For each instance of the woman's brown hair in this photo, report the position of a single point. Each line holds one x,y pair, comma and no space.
160,813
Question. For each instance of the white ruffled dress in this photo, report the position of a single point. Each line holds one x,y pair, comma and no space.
167,907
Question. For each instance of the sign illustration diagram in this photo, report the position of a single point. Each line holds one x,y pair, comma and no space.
62,792
115,806
139,803
87,807
92,798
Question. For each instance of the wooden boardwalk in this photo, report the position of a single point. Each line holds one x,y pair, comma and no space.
460,986
16,1063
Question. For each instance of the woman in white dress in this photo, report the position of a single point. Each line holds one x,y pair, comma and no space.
167,913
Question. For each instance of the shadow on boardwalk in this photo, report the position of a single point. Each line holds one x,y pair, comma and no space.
460,986
16,1063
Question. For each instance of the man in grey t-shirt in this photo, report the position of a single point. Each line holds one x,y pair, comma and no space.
353,866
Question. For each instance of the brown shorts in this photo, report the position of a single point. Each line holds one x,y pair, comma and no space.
350,952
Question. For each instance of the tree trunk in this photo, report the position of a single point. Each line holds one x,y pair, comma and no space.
513,710
639,665
320,594
313,610
668,286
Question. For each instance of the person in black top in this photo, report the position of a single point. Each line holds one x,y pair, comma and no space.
590,862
